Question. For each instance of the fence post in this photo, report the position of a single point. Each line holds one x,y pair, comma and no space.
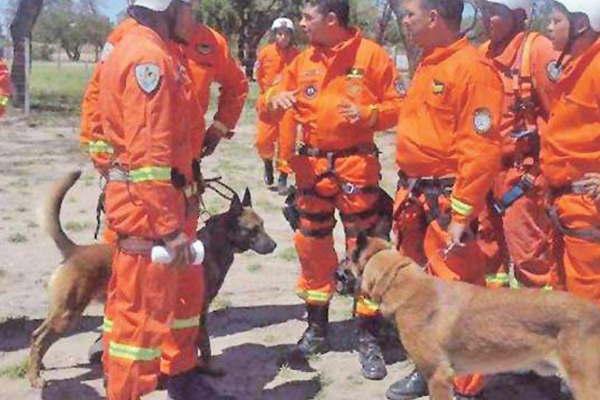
27,75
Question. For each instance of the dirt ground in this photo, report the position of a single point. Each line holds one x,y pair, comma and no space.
254,321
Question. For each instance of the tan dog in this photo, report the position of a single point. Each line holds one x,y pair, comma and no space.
84,273
453,328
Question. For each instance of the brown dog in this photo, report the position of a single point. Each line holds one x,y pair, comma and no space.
84,273
453,328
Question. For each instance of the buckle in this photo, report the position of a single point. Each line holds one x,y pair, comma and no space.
190,190
350,188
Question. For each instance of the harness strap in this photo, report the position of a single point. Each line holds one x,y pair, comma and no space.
316,217
136,245
591,234
317,233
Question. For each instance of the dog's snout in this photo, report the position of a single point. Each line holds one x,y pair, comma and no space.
264,245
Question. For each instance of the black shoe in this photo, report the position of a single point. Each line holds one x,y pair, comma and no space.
282,187
369,352
409,388
268,175
314,338
96,350
191,386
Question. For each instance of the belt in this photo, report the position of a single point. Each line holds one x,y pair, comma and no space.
136,245
368,148
558,191
418,185
120,175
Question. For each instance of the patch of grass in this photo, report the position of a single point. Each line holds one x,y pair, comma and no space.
76,226
288,254
285,372
21,209
72,200
17,238
270,338
32,224
220,303
16,371
19,183
55,88
254,267
88,180
7,218
3,273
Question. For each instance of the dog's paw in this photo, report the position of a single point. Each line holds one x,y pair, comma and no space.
37,382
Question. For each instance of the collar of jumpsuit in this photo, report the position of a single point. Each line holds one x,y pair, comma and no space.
573,66
332,52
508,55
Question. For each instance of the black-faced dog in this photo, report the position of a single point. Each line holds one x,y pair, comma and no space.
85,271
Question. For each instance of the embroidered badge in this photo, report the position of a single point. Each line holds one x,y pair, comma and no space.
310,91
482,120
554,71
204,48
148,76
438,87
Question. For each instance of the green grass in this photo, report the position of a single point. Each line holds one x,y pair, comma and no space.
254,267
16,371
76,226
288,254
55,88
17,238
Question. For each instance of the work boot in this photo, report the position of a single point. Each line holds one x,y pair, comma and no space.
268,175
95,351
369,352
282,187
191,386
314,338
410,387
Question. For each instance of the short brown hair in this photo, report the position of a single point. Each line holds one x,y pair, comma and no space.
450,10
341,9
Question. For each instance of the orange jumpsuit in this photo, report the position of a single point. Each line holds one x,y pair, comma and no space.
4,87
147,105
570,149
523,235
340,168
269,66
448,130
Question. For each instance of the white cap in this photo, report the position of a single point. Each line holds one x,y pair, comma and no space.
524,5
156,5
588,7
282,23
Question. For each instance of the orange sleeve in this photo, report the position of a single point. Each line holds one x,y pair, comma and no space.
288,82
233,91
477,141
90,117
4,87
388,95
543,55
260,70
151,128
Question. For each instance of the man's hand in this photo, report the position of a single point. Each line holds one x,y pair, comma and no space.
283,100
179,245
212,138
590,186
456,232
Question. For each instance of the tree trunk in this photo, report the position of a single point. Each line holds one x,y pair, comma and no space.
382,23
412,52
20,29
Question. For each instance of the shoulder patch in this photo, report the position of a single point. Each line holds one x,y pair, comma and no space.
204,48
482,121
438,87
106,50
147,76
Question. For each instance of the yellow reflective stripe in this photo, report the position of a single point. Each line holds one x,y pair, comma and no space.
460,208
368,304
501,278
3,101
314,296
100,146
132,352
107,325
547,287
150,174
192,322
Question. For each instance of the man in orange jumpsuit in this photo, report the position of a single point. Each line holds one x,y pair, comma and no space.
147,115
570,147
208,61
272,59
4,87
448,152
342,90
516,232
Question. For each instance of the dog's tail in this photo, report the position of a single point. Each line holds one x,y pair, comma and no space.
51,213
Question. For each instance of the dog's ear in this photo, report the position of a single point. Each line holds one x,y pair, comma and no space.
362,241
236,207
247,201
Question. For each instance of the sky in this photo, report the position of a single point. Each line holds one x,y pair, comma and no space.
112,7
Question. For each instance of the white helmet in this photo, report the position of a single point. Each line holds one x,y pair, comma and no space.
589,7
525,5
282,23
156,5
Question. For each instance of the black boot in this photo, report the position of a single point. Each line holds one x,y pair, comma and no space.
268,175
411,387
369,352
191,386
95,351
282,187
314,338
